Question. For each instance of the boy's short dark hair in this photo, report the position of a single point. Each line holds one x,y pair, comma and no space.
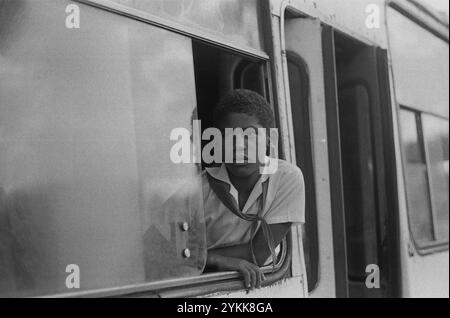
242,101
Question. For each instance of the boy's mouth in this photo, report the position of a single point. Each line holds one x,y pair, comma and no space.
240,165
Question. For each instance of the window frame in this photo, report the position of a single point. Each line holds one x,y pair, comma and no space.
169,25
312,225
436,246
241,70
202,285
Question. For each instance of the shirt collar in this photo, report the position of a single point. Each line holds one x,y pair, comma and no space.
221,174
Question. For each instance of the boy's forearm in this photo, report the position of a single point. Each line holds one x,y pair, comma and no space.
216,261
260,247
252,274
242,251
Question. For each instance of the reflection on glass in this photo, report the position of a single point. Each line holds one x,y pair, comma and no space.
417,192
436,142
85,171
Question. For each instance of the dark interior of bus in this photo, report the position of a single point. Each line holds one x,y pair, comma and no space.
217,72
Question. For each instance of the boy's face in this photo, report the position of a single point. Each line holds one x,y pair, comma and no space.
244,122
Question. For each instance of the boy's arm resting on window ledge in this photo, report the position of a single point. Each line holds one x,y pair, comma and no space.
239,257
219,259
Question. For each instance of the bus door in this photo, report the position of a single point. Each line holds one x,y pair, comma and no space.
360,135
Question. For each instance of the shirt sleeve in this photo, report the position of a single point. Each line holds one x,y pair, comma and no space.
288,205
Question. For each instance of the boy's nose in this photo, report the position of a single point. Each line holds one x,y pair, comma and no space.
246,151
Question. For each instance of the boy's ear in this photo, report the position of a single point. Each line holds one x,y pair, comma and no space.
272,149
272,142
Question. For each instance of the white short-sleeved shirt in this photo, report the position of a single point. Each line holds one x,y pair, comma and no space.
285,203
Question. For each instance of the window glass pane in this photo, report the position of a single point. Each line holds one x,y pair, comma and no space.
436,141
299,88
420,62
85,171
417,189
232,20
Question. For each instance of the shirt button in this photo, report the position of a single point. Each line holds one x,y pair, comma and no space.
187,253
185,226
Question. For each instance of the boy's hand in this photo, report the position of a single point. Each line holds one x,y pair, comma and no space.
253,276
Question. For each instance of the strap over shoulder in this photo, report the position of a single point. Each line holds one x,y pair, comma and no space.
222,190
